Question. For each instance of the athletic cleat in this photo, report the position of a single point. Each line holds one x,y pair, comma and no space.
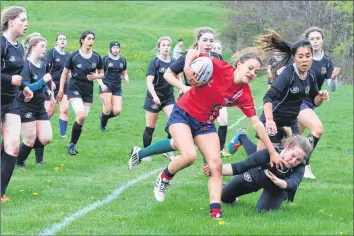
103,129
169,155
148,158
63,136
215,213
4,198
134,158
224,153
161,188
308,173
235,142
72,149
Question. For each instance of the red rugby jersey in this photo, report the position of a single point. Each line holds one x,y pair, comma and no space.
203,103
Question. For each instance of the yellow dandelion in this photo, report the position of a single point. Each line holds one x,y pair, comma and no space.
341,233
62,164
321,211
221,222
191,209
201,208
56,168
22,190
35,194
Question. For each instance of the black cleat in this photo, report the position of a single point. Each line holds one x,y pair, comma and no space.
72,149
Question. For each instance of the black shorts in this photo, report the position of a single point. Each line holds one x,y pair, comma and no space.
57,85
10,108
30,112
281,122
150,106
80,89
115,91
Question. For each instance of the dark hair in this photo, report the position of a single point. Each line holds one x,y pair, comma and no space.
272,42
246,54
314,29
59,35
179,40
84,35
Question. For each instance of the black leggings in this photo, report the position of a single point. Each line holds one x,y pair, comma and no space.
271,198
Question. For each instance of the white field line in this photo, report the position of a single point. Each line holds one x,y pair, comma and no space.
240,119
55,228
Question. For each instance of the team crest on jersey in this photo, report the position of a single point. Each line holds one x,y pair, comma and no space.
76,93
79,66
323,70
307,90
110,64
94,65
155,106
294,89
57,59
247,177
162,70
12,59
121,65
35,77
29,115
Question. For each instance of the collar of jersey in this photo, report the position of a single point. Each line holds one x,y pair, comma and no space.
297,71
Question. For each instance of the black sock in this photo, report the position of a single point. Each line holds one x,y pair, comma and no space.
147,137
167,173
8,163
76,132
247,144
222,132
2,147
39,154
313,140
169,136
23,154
215,206
111,115
104,120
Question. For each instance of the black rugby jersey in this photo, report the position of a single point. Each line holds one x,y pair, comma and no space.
56,62
12,63
113,69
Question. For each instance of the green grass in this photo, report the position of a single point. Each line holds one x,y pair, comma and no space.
100,168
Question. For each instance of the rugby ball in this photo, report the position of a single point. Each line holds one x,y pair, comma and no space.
204,67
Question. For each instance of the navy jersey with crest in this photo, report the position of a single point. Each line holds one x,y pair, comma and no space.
81,67
157,68
56,62
31,74
177,67
12,63
113,69
288,91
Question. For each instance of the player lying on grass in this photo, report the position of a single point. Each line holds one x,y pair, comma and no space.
255,173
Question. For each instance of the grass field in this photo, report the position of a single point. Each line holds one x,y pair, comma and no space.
66,187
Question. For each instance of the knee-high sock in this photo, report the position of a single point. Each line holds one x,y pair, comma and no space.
8,163
111,115
313,140
159,147
222,132
76,132
39,150
147,137
104,119
247,144
63,124
23,154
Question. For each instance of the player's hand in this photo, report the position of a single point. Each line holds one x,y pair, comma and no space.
47,77
126,81
270,175
157,100
336,71
191,76
271,127
185,89
16,80
60,95
28,94
92,76
206,170
324,95
54,87
104,88
276,160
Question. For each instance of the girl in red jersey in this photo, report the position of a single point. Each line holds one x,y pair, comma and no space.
193,117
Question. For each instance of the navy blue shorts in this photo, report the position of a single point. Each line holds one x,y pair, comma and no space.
115,91
281,122
80,89
30,112
11,108
306,104
198,128
150,106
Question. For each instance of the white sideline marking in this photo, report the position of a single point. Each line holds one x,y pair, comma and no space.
241,118
55,228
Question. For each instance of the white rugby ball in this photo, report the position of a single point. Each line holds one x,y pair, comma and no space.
204,67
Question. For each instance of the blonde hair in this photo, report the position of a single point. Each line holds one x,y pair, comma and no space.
248,53
162,39
28,39
33,42
199,32
10,13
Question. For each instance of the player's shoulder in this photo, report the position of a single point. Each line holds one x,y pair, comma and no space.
96,54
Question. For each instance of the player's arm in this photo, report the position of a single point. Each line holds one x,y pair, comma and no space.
332,73
191,55
175,80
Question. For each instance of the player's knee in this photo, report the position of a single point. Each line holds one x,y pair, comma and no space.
45,139
317,130
63,111
189,156
116,111
215,167
80,118
29,141
12,148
